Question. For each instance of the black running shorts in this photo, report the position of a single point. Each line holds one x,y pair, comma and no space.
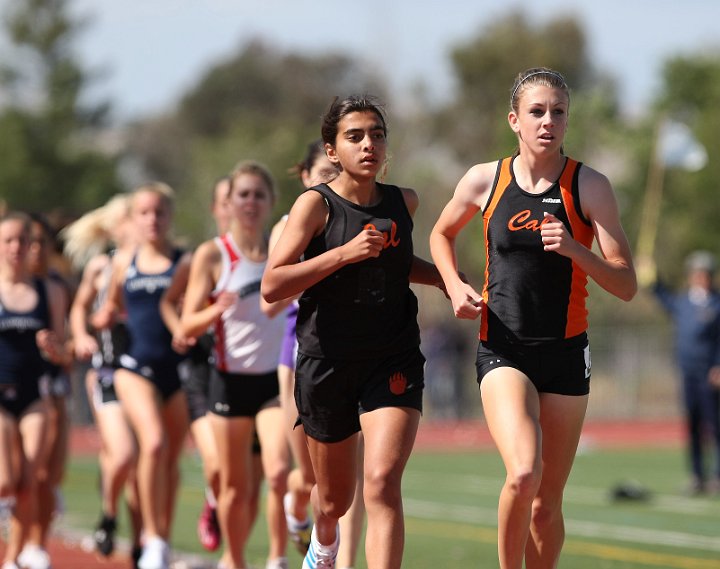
332,394
559,367
241,395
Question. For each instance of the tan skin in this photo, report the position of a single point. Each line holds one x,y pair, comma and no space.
250,202
359,151
536,433
23,441
159,426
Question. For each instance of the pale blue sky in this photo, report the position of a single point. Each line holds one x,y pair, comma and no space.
155,49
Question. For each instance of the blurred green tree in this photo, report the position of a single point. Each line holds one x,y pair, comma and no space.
691,199
53,156
486,66
261,104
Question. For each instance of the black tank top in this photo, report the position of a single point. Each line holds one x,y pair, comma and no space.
532,296
364,309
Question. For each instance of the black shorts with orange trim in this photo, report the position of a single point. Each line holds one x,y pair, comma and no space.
559,367
332,394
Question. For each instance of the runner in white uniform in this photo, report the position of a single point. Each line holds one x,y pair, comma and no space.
224,290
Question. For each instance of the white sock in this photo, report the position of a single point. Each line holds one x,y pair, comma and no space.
327,548
292,521
210,497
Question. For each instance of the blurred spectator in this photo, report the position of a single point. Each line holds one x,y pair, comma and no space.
695,312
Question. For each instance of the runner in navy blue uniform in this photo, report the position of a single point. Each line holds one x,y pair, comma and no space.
359,365
42,246
148,381
90,243
541,211
32,334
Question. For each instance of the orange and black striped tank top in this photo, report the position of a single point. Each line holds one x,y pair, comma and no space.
532,296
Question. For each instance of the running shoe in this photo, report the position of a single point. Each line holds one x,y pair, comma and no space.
208,528
104,535
277,563
155,554
321,556
34,557
299,531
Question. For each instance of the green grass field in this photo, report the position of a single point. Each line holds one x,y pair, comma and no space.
450,506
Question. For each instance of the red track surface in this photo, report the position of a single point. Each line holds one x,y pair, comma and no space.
67,554
469,435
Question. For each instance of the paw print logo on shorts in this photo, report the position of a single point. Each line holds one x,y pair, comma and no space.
398,383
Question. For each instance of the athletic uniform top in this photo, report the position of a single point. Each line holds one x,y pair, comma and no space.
531,295
149,339
246,340
363,309
111,341
19,353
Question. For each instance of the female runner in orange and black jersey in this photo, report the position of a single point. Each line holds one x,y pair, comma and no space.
541,211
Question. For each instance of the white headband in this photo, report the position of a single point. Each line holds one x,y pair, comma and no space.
553,73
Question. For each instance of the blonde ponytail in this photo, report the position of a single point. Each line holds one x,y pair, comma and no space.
91,234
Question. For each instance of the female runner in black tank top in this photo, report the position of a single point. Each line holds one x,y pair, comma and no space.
541,211
359,365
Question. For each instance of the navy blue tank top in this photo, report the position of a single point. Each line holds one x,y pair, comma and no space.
19,354
149,339
364,309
